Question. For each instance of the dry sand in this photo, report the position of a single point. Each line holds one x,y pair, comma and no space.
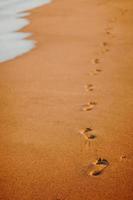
83,58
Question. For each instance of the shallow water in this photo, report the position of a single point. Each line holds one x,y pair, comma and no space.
12,13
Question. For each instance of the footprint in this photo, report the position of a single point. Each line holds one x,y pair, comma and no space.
98,70
123,157
108,32
123,11
107,50
89,106
89,87
105,44
97,167
95,72
96,61
87,133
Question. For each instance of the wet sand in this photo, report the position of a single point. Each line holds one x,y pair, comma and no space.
77,80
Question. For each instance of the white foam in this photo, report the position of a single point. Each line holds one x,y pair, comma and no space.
8,25
12,6
14,36
12,42
13,48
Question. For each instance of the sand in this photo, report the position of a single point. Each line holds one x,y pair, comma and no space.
44,156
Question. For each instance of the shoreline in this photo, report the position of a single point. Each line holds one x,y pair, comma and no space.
77,77
15,43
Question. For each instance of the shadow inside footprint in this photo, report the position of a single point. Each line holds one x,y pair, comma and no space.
89,87
97,167
98,70
123,157
89,106
96,61
95,72
105,44
87,133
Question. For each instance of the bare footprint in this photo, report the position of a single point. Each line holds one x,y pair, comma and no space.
123,11
96,61
95,72
123,157
87,133
107,50
108,32
105,44
96,168
98,70
89,87
89,106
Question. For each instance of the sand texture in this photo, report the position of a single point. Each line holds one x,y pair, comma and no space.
66,108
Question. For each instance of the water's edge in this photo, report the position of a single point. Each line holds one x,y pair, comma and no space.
12,18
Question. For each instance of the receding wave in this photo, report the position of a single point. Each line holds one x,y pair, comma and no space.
12,42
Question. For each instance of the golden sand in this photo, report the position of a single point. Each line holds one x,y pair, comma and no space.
42,154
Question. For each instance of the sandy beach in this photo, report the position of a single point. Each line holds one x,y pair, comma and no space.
78,81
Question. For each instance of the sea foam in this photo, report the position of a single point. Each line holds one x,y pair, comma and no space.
12,13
